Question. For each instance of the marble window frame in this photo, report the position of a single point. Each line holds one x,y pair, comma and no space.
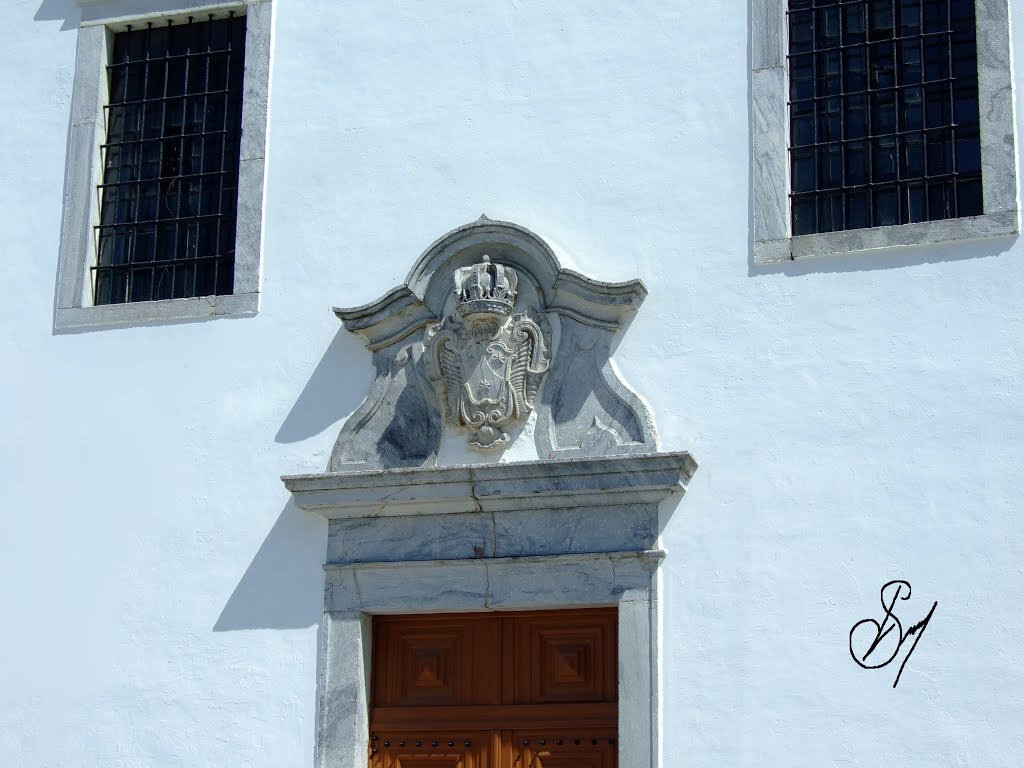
74,309
772,216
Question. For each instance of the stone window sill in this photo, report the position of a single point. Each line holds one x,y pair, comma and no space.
144,312
1003,224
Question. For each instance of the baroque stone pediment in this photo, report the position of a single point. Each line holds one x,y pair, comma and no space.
488,330
488,335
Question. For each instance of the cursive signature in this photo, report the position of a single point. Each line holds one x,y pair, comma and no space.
898,589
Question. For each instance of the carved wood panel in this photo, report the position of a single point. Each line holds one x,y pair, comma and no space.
436,661
566,661
555,749
496,690
456,749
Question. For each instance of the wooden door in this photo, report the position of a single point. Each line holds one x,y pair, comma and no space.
496,690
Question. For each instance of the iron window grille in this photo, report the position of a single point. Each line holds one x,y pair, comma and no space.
168,196
883,109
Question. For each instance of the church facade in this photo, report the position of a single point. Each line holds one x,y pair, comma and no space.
512,384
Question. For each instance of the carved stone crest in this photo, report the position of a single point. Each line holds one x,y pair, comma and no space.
485,362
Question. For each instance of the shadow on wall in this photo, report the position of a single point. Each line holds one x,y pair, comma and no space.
60,10
333,391
283,587
885,258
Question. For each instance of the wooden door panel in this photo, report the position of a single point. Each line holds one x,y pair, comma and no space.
431,750
496,690
586,758
431,761
551,750
435,661
566,717
566,657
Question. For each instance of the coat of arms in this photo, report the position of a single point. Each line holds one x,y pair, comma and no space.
485,362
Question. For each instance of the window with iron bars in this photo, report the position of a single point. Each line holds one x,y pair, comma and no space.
168,195
884,120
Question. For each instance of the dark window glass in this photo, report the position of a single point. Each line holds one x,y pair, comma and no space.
883,113
170,162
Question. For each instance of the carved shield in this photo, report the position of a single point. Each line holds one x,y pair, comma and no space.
487,373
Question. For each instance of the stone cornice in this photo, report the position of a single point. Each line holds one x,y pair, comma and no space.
553,484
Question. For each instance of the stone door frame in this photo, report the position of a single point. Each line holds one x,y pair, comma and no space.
574,533
628,581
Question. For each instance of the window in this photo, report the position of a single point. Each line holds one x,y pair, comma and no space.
170,162
883,104
867,131
164,193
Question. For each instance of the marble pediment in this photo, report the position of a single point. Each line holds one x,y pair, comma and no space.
491,344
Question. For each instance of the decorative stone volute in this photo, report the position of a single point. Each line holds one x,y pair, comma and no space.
488,329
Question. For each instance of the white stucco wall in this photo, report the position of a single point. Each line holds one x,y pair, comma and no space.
857,419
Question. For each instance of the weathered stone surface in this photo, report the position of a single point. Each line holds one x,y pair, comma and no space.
770,156
586,408
343,690
995,97
920,233
639,739
399,422
623,481
486,292
411,537
486,534
256,102
557,581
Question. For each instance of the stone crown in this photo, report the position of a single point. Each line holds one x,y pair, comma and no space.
485,289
